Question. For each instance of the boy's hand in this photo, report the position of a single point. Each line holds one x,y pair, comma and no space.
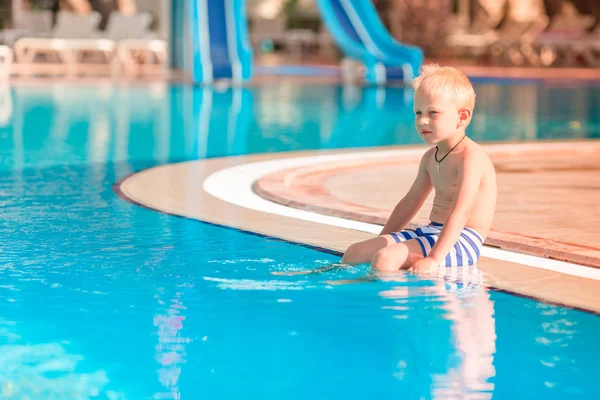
427,265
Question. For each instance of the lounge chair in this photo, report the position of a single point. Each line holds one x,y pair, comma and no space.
119,28
36,23
126,41
560,44
513,38
142,54
69,26
137,47
588,48
515,42
475,40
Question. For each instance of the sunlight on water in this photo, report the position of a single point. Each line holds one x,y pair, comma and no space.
104,299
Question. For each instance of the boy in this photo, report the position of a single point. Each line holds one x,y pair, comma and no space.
457,168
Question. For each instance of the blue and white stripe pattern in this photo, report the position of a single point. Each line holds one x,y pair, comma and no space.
466,250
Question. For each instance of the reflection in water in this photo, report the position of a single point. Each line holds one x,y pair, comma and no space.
171,348
45,371
220,121
469,367
62,123
120,302
6,106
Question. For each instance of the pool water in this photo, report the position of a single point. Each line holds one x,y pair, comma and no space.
100,298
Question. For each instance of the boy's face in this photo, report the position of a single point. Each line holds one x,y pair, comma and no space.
437,117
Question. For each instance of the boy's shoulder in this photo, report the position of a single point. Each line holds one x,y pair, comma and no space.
475,155
475,150
427,158
429,153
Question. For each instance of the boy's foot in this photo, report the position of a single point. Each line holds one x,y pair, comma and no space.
362,279
292,273
318,270
343,282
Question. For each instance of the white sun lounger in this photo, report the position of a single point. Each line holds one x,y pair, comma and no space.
76,37
560,43
69,26
35,23
119,28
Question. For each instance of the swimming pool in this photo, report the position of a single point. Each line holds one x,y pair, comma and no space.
104,299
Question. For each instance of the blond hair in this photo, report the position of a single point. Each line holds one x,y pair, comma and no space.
435,80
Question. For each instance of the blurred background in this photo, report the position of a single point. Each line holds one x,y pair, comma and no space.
105,299
149,37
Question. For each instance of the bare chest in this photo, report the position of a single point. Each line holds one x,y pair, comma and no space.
444,175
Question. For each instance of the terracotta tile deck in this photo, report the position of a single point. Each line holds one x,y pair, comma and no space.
548,195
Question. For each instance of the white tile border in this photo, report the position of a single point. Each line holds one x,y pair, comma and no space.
234,185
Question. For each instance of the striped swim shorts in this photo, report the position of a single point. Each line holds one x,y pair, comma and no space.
466,250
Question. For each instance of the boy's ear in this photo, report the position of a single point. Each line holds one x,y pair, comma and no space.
464,116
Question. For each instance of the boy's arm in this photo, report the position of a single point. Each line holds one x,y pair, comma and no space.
407,208
469,179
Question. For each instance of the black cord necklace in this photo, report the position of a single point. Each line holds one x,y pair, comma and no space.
436,153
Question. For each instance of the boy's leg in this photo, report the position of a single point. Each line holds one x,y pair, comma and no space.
392,258
398,256
363,252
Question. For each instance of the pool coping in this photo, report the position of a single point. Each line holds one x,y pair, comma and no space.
118,190
304,188
178,189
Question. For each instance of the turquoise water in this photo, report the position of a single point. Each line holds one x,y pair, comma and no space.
100,298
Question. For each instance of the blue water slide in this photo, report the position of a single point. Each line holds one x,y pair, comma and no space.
358,30
220,44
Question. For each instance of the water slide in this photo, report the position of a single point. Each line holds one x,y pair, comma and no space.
357,29
219,39
222,50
